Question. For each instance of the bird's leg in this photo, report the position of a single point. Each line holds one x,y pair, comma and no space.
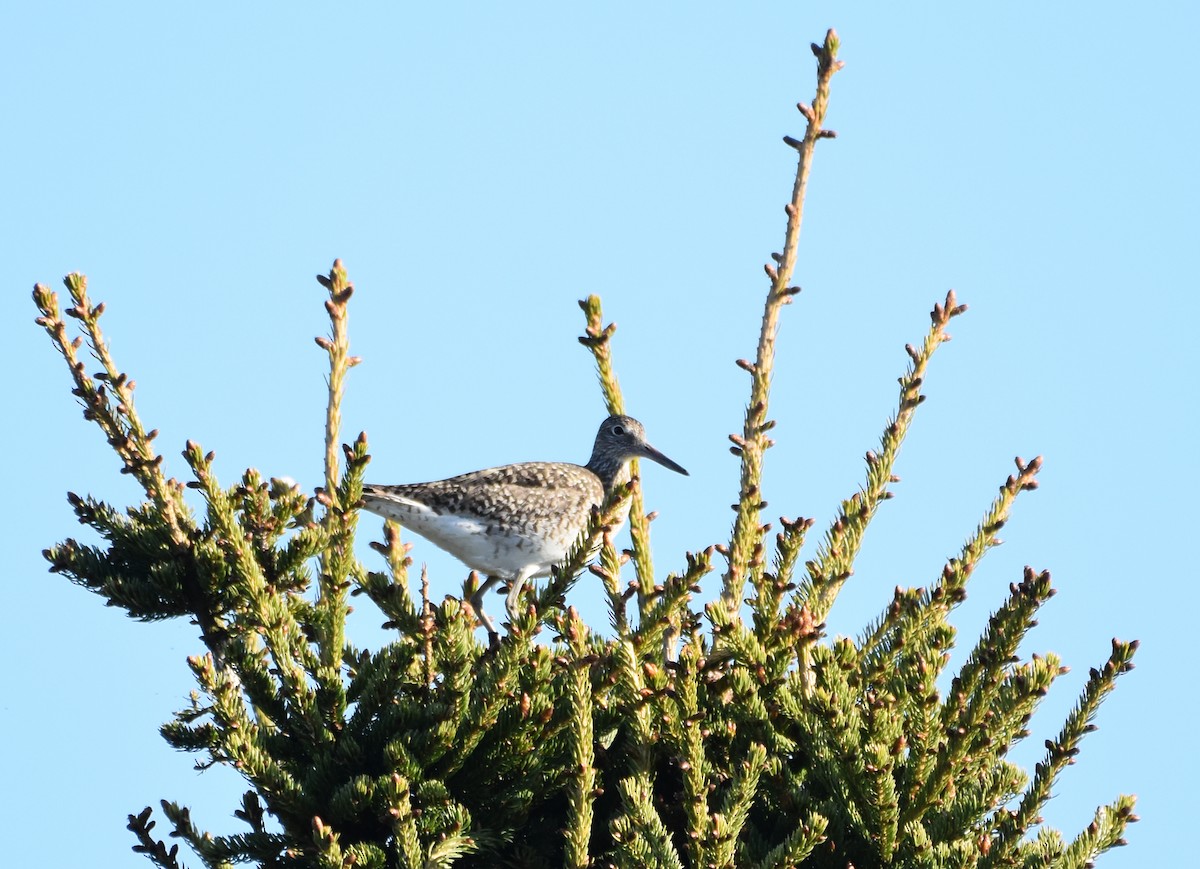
514,591
477,605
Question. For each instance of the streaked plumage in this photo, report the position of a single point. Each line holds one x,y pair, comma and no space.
515,522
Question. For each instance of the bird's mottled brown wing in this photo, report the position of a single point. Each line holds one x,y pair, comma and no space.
534,491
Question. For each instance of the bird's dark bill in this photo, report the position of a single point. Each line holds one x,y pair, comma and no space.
654,455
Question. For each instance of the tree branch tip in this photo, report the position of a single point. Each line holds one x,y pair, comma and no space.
793,143
827,134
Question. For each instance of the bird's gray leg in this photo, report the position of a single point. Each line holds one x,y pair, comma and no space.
514,590
477,605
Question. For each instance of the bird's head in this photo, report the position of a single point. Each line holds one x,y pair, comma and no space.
622,438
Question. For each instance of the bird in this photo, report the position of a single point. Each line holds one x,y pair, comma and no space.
515,522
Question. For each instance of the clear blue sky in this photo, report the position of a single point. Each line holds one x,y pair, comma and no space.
479,171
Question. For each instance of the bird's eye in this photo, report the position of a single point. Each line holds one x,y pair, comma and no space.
618,430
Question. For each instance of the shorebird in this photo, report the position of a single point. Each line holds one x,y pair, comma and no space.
515,522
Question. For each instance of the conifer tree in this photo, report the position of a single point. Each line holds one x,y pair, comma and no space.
733,733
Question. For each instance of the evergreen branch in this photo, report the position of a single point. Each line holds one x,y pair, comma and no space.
972,754
835,557
581,789
934,604
147,589
445,853
1061,752
769,592
428,623
734,641
982,671
338,566
127,435
642,838
328,846
880,755
120,422
374,679
609,572
1105,831
693,762
220,851
798,844
155,849
252,812
745,546
244,745
632,690
390,592
942,742
481,706
668,613
338,347
736,803
989,782
456,651
404,823
825,710
597,339
442,823
340,503
266,608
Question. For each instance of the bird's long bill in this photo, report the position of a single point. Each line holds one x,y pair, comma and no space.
651,453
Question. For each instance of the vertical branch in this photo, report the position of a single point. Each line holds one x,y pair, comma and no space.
609,570
428,626
337,557
338,347
597,340
694,765
745,548
581,792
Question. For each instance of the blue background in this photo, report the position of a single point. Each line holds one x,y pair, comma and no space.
480,169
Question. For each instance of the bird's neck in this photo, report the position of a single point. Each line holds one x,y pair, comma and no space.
609,469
